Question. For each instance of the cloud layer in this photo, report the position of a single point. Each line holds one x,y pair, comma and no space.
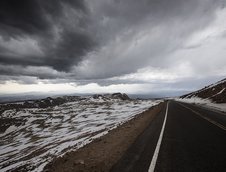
111,41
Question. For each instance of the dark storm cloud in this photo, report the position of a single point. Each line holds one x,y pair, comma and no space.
69,50
43,21
98,39
31,17
23,61
22,17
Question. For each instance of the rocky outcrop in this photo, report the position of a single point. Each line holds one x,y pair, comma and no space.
112,96
120,96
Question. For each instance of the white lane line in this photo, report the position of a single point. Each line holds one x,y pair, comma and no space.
204,117
155,156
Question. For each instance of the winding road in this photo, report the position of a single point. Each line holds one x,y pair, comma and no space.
182,137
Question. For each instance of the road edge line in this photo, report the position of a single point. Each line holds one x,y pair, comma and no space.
155,155
204,117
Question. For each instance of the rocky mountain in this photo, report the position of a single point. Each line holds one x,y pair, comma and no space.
215,92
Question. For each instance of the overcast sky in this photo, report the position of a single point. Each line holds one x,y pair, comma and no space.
165,47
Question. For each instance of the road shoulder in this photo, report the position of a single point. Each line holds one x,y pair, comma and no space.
104,152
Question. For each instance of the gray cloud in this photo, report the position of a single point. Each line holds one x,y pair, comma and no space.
144,33
94,41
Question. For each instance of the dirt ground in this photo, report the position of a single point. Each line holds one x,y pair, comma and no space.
101,154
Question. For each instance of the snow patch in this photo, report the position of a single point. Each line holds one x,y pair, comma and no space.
53,131
9,130
204,102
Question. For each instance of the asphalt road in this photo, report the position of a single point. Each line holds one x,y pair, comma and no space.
194,139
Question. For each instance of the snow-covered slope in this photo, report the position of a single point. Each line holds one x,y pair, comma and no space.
33,135
214,92
212,96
